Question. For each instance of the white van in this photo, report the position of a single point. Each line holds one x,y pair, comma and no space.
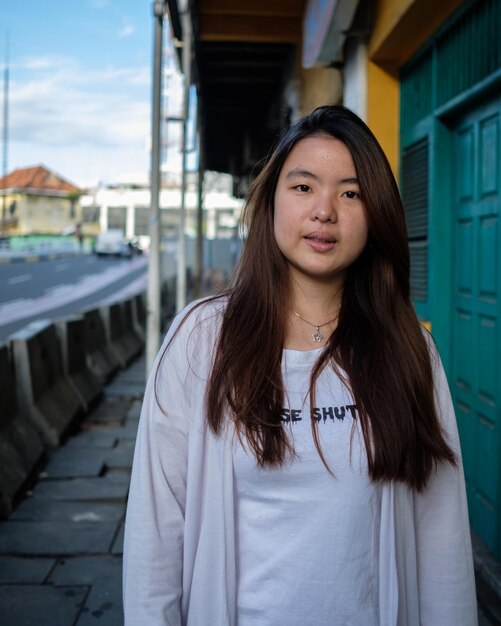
111,243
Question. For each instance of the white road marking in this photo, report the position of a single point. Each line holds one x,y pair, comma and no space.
62,267
15,304
85,277
69,293
21,278
61,288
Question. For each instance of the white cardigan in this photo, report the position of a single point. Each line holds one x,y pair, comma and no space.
179,550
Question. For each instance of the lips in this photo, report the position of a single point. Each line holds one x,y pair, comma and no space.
320,241
321,237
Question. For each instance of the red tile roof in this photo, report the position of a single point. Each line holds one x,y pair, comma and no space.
36,178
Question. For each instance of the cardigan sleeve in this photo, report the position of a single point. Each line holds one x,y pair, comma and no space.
444,556
153,543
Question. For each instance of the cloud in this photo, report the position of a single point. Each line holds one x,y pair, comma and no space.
100,4
71,105
43,62
126,30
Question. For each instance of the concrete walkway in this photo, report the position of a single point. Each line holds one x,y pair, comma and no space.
61,549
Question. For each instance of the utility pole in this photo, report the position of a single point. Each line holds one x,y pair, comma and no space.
5,134
153,292
200,213
181,267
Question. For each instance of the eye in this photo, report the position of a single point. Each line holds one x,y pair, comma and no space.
302,188
352,195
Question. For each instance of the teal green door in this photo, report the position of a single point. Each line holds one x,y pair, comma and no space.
476,316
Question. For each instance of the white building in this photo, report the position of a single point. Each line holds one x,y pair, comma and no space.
126,206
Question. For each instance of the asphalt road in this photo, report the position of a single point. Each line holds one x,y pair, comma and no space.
57,288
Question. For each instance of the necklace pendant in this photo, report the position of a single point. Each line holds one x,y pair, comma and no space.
317,337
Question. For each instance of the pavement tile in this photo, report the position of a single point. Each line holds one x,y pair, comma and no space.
121,456
487,566
135,410
86,570
113,486
68,463
129,429
92,439
103,574
42,509
20,569
47,606
103,605
110,410
131,375
118,543
124,389
54,538
489,602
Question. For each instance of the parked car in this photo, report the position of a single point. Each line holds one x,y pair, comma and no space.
112,243
134,247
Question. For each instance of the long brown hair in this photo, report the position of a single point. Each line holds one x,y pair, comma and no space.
378,341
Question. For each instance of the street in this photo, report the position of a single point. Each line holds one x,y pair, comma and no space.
56,288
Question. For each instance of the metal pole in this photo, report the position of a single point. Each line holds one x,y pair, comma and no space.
153,292
5,128
200,225
181,267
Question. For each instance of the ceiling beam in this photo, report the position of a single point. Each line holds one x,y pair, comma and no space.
255,29
270,8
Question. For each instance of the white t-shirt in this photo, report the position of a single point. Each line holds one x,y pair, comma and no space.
181,549
307,541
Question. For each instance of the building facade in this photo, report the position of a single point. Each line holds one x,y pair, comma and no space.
449,141
426,77
127,207
37,200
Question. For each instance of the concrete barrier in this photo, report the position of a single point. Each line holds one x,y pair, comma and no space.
100,358
168,299
44,394
124,343
139,315
21,449
133,332
71,334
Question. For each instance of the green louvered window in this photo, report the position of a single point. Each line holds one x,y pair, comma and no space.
416,90
468,49
414,177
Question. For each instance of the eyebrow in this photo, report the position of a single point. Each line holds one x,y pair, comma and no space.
298,171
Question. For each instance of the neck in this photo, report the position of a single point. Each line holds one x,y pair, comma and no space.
317,303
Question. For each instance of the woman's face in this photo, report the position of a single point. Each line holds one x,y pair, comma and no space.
319,220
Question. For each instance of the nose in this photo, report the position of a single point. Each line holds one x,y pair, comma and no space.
324,209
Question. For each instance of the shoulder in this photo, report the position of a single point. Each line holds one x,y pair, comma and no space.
193,334
442,394
435,360
200,317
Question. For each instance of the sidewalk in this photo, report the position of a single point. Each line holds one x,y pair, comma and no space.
61,549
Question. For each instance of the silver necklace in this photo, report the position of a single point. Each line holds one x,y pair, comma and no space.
317,336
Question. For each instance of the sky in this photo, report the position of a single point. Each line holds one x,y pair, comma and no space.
79,87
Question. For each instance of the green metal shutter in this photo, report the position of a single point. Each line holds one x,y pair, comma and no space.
414,176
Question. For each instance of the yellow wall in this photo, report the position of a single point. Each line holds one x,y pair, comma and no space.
401,27
319,86
383,102
43,214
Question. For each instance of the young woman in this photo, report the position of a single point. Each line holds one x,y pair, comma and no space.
297,460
